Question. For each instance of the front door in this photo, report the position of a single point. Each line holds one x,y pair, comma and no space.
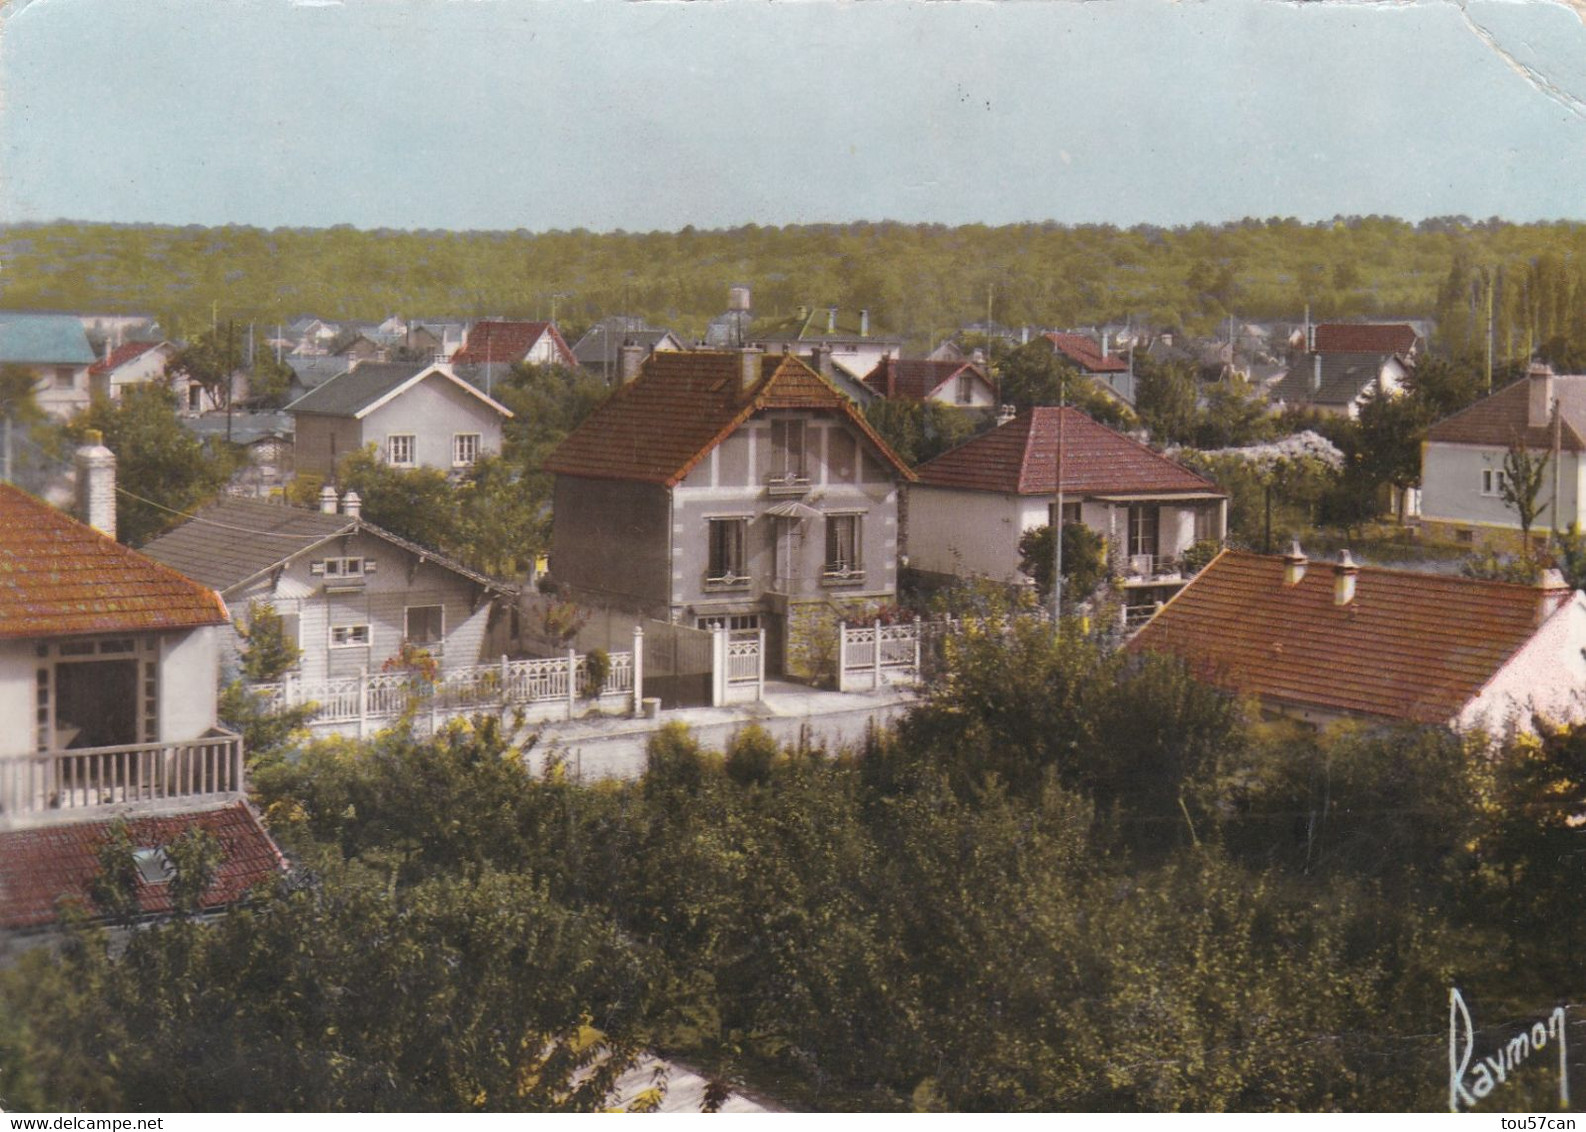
96,704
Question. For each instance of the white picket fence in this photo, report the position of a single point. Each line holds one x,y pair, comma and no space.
541,689
876,655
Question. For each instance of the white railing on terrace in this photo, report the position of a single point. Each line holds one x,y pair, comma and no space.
139,773
875,655
510,683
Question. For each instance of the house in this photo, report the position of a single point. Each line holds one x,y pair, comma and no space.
734,489
416,416
494,347
1344,363
437,341
972,504
266,440
55,349
960,384
600,350
354,346
1462,472
1111,373
131,363
109,667
1327,641
853,348
349,593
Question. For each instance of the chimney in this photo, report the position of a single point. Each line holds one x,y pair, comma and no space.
1106,344
327,500
1539,385
1552,593
978,356
1316,372
1310,333
864,323
632,362
351,505
96,483
1024,335
749,360
821,359
831,320
1294,563
1344,579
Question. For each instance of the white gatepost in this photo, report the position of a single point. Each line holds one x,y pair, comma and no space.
506,675
572,681
916,649
842,656
638,670
759,695
718,667
875,656
363,703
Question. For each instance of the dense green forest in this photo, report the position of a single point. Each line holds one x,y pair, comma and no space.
1068,880
921,281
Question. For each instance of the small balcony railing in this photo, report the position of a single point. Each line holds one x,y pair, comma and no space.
787,483
1146,567
34,787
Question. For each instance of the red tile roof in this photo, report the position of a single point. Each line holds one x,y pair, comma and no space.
39,867
508,342
1409,646
1501,419
1364,338
121,355
916,379
683,404
59,577
1085,354
1020,458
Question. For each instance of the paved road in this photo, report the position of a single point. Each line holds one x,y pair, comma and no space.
617,749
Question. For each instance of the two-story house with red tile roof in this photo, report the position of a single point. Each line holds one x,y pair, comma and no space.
971,505
109,666
1344,363
1462,472
1110,372
960,384
505,344
734,488
1328,641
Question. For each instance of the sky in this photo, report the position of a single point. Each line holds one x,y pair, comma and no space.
602,114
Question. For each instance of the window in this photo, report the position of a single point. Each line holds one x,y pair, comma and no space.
195,398
1142,530
341,568
727,563
465,449
1070,513
1465,535
842,547
425,624
966,388
1205,524
1492,481
734,623
787,451
399,450
65,378
349,636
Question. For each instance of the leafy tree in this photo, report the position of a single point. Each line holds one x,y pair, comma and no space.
1084,561
1523,472
269,381
17,403
418,504
210,360
1166,400
1033,374
268,654
1234,416
163,472
922,430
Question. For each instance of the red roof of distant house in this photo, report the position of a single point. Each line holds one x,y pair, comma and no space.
509,342
60,577
917,379
1365,338
1409,646
1085,354
39,867
1020,457
683,404
121,355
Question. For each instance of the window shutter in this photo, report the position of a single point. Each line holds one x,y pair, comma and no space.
317,569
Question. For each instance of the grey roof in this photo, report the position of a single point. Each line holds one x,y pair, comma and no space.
355,390
243,428
315,370
1344,378
602,343
43,339
236,540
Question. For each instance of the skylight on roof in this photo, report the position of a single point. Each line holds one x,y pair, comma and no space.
154,866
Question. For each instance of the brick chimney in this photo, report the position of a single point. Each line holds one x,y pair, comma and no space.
352,505
1294,563
749,361
327,500
632,362
1344,574
1552,593
96,483
1539,388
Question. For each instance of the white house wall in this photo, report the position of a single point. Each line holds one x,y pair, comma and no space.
952,531
18,667
1547,676
1451,478
189,683
433,412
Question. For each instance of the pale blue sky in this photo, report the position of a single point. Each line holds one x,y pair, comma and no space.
546,114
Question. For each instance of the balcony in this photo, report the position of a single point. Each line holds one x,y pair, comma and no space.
727,581
54,785
1149,569
787,483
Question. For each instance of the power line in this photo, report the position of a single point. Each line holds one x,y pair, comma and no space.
216,523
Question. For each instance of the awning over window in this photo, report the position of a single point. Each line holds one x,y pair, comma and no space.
793,509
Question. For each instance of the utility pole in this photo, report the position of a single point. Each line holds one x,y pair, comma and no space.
1057,518
1488,275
